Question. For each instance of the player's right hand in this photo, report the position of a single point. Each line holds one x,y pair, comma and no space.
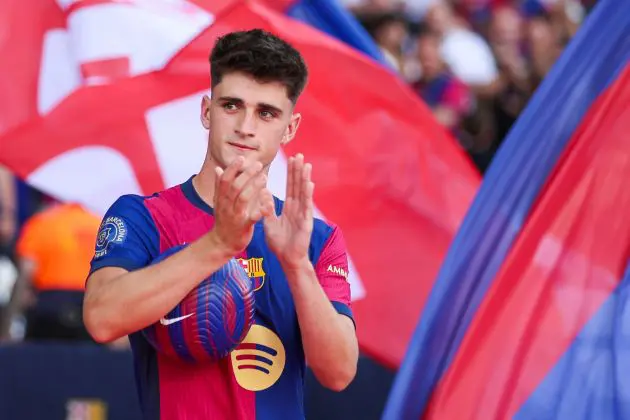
237,204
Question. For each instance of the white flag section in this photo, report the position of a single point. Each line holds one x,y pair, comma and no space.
103,42
108,40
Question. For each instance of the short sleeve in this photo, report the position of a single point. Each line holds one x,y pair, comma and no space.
127,236
332,272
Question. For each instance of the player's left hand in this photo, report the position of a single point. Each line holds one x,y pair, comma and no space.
289,235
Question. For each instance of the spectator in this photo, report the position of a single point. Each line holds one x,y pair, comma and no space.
389,30
506,35
447,96
54,250
373,6
545,44
467,54
494,53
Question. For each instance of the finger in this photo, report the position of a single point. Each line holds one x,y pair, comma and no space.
305,178
262,208
297,171
267,204
247,176
290,164
293,200
249,193
306,193
255,216
301,180
227,177
269,210
308,205
217,183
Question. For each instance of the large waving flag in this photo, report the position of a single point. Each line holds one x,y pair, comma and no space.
528,318
101,98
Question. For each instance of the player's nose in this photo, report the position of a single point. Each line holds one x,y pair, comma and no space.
246,125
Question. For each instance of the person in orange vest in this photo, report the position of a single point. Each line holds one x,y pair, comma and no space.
54,250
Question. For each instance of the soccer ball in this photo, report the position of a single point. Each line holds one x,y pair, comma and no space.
210,321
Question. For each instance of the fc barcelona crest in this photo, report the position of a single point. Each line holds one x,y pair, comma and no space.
255,271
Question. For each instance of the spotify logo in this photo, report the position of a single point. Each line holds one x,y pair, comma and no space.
259,360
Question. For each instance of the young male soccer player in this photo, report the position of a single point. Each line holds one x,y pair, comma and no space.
298,264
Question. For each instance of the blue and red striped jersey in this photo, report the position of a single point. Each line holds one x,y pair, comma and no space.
137,229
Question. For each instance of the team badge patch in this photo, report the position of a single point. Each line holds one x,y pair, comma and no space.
112,230
255,271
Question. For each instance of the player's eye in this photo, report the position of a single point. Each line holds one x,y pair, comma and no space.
267,115
230,106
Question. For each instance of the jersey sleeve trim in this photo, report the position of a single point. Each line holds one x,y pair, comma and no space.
344,309
126,263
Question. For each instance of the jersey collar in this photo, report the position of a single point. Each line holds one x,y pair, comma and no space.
193,196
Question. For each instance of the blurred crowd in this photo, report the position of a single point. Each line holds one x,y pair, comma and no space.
475,63
45,250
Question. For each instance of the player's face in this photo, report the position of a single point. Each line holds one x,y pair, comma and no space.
247,118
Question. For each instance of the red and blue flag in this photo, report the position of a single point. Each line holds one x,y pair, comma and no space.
529,316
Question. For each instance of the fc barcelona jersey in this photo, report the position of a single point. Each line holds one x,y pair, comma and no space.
136,229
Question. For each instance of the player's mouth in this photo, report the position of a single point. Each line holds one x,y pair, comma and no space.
242,146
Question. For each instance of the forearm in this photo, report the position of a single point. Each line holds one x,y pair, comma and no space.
126,303
330,343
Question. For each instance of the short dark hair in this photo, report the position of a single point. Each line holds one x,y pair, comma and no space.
261,54
425,32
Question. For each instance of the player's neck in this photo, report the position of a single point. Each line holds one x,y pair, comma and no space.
204,183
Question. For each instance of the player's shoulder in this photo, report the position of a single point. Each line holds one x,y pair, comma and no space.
127,205
323,229
128,236
129,210
140,202
326,236
169,202
144,209
325,239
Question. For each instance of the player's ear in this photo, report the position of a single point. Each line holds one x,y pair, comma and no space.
292,128
205,112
